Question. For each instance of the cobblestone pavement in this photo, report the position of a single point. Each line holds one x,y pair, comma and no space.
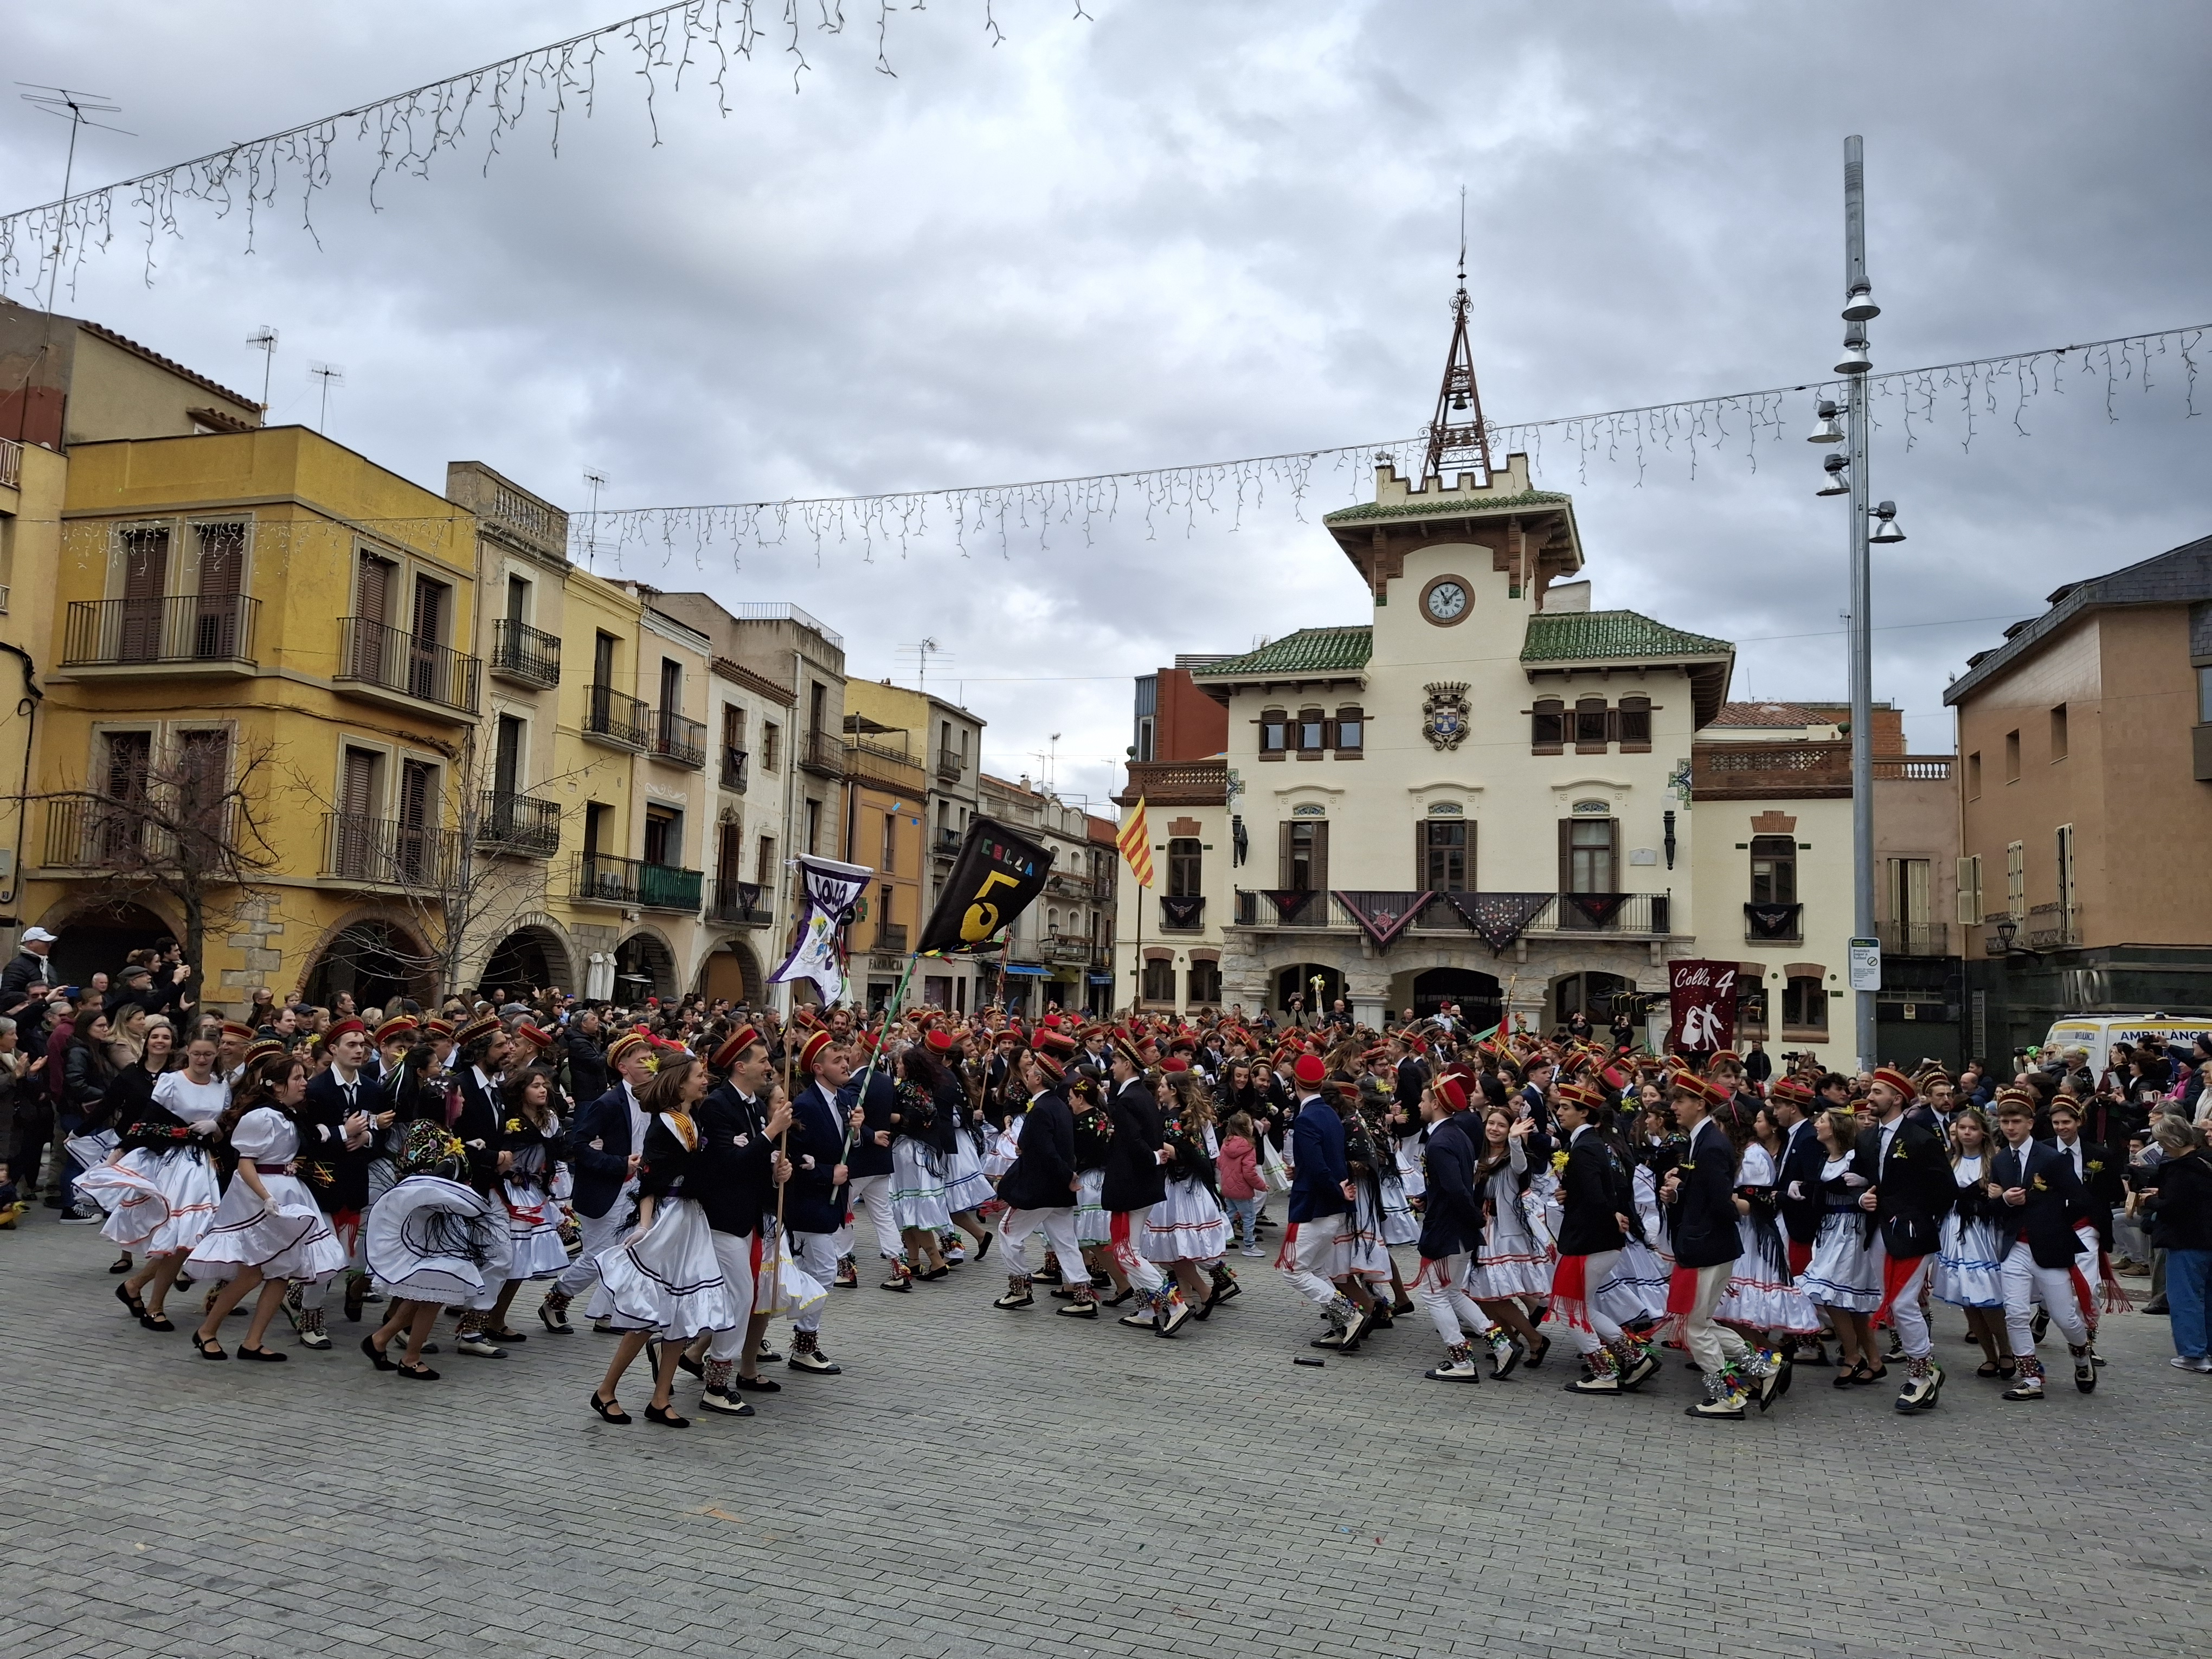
982,1484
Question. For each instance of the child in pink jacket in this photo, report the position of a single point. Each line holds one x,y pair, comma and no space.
1242,1186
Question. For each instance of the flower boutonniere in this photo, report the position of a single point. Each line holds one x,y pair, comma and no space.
1558,1162
2039,1184
2096,1166
1898,1156
515,1126
1687,1164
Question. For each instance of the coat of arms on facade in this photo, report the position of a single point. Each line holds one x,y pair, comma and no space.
1444,716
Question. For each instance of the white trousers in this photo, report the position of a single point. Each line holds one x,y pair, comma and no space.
734,1253
1596,1269
1304,1254
1058,1227
1139,1269
1450,1308
1910,1317
873,1194
2025,1284
1711,1346
817,1255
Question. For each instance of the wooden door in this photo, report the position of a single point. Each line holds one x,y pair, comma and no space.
145,581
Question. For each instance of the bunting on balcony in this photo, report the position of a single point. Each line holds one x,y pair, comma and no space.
1290,902
1382,916
1181,912
749,896
1772,921
1497,918
833,892
1598,908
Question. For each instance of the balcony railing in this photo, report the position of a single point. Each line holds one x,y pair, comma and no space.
520,825
733,769
617,718
1920,769
1067,947
680,740
606,880
946,844
11,464
1752,771
519,652
1184,915
823,753
951,764
1915,938
1062,885
741,904
1773,924
120,633
91,832
890,936
1635,915
389,852
1177,783
375,653
2052,928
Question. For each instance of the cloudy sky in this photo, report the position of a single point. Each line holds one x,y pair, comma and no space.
1177,233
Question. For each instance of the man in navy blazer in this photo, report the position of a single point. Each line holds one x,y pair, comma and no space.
603,1146
1321,1193
1451,1234
815,1196
2041,1203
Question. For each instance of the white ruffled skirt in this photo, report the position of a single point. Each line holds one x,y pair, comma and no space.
1186,1224
967,1187
1514,1260
159,1202
1634,1291
1845,1272
433,1240
533,1222
781,1286
917,1192
1093,1224
1399,1226
1760,1295
667,1278
289,1237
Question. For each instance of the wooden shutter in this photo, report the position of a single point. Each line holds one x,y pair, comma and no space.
1420,853
358,786
1969,905
430,610
1566,855
415,793
372,590
1283,864
1320,855
507,758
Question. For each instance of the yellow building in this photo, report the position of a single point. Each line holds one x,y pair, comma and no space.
886,799
261,697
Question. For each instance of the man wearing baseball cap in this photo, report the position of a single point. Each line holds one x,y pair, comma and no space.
1320,1191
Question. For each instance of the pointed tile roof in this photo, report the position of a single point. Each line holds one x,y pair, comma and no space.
1595,635
1308,651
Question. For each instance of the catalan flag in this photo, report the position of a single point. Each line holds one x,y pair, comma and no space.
1135,841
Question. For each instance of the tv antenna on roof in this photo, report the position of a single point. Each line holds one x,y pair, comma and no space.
326,373
264,337
922,651
594,481
79,108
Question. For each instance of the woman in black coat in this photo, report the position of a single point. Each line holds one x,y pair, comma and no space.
2177,1196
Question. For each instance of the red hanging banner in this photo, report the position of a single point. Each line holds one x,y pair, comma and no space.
1701,1006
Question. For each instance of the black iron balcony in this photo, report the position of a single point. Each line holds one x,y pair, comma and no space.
951,764
605,880
92,832
393,660
823,753
733,769
520,825
679,740
947,842
617,718
741,904
215,627
519,652
1182,914
1915,938
890,937
386,852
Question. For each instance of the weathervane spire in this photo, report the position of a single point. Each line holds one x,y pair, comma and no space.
1458,440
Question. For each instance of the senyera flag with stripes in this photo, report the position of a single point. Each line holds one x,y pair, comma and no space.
1135,841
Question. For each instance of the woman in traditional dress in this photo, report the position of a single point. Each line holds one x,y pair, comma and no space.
267,1227
431,1240
1514,1262
919,1166
1187,1232
529,1159
1969,1260
1845,1275
1761,1297
664,1279
160,1188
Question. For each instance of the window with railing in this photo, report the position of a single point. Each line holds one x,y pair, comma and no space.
733,769
680,740
511,822
375,653
188,628
392,852
617,718
520,652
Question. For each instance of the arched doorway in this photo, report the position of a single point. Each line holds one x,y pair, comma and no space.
731,970
378,962
530,958
96,939
644,967
1481,999
1298,981
1590,992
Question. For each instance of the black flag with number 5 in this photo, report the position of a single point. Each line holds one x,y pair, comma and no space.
999,872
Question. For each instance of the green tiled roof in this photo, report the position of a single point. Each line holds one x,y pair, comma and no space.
1461,505
1590,635
1308,651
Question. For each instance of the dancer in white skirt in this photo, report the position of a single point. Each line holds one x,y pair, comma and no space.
1761,1297
1844,1276
665,1280
1094,1228
967,1188
1514,1262
1970,1262
430,1240
160,1188
1188,1230
268,1227
529,1162
921,1161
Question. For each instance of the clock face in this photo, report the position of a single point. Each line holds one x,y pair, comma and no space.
1446,600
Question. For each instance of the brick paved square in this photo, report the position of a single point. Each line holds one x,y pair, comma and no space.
980,1485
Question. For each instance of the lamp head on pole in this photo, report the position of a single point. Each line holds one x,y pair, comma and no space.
1860,306
1855,360
1837,484
1886,528
1829,429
